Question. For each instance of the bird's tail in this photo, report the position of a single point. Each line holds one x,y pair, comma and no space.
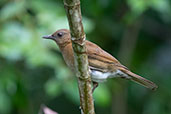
140,80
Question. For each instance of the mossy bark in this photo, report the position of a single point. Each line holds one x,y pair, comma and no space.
81,61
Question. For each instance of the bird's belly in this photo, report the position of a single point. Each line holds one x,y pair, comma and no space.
99,76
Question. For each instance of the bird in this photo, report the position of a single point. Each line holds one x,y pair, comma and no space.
101,64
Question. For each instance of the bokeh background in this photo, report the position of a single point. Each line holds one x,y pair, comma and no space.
32,70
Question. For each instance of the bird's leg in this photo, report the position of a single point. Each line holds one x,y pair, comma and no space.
95,85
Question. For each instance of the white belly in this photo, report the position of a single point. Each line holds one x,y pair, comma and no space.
98,76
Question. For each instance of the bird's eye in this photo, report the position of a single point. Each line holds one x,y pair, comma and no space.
60,34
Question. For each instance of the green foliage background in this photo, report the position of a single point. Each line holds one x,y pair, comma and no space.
32,70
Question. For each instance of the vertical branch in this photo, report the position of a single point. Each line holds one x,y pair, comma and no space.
81,61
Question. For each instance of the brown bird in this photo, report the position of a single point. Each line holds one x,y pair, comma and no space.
102,65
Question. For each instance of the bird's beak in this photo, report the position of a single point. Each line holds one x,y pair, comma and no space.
48,37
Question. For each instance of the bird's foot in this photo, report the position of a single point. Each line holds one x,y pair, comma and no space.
95,85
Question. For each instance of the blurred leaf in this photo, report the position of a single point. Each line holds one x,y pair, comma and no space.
102,95
164,8
71,91
53,87
161,5
138,6
88,25
15,38
5,103
12,9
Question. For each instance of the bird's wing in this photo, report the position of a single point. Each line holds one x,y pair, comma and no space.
104,62
99,59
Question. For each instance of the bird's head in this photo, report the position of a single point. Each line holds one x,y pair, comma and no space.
61,36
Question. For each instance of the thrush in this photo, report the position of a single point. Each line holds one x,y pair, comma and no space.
102,65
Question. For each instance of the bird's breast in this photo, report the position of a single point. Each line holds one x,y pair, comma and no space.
68,56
